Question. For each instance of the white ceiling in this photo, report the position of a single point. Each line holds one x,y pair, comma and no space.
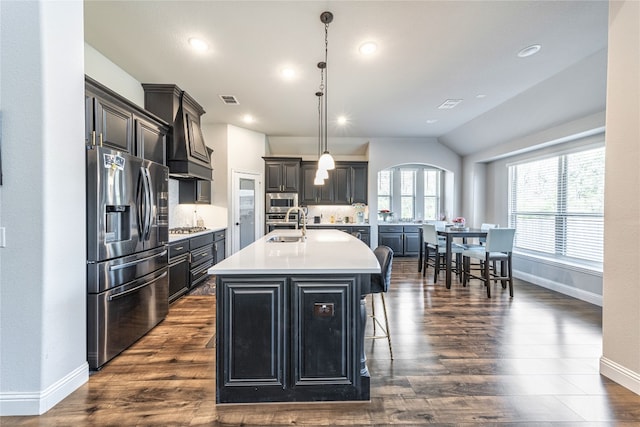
428,52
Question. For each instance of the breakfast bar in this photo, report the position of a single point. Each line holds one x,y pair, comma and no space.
290,318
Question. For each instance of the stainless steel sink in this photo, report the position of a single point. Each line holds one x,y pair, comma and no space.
285,239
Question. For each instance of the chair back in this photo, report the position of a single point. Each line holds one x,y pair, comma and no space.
486,227
430,234
380,282
440,225
500,239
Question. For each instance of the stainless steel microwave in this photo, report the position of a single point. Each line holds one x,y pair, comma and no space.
280,202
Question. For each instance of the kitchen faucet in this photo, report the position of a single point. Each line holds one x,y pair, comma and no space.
304,219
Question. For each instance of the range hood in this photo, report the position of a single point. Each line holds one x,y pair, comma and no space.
187,154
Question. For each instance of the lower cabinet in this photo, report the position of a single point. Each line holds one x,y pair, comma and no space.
289,339
190,260
404,240
179,274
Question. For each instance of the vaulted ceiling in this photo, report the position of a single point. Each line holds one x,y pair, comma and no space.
427,52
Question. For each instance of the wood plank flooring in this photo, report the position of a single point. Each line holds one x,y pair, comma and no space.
459,359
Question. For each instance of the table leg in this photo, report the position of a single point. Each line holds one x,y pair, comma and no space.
448,261
421,250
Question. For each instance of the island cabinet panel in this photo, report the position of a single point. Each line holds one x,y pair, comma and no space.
291,338
253,313
323,332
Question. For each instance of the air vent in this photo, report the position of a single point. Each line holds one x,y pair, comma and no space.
229,99
449,104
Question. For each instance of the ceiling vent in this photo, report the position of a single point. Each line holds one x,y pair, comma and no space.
449,104
229,99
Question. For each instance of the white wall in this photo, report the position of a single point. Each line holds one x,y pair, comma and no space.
42,199
621,313
388,152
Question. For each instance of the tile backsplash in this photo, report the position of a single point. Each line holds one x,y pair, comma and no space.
186,215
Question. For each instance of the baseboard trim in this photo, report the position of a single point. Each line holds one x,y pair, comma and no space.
580,294
39,402
618,373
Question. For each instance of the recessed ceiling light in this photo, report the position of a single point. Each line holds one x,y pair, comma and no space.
198,44
529,50
431,121
449,104
368,48
342,120
287,73
481,95
248,118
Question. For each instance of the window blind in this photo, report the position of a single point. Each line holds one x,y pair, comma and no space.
556,205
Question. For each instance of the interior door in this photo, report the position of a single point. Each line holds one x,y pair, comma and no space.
247,208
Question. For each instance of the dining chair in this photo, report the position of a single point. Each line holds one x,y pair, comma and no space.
498,247
380,284
482,241
433,243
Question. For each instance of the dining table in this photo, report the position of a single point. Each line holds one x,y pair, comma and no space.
450,233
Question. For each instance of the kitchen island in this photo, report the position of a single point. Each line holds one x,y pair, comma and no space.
290,319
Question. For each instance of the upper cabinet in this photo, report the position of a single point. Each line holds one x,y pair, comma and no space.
113,121
347,184
282,174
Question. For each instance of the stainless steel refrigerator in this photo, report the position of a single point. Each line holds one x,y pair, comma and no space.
127,257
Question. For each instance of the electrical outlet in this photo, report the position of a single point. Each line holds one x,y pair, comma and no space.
321,309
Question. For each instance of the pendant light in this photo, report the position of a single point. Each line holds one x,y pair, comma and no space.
325,162
321,174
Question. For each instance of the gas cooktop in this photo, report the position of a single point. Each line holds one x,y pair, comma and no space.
186,230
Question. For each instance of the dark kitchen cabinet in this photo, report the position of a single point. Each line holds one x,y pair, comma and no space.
403,240
287,338
151,140
201,258
179,273
347,184
113,121
194,191
282,174
108,122
219,246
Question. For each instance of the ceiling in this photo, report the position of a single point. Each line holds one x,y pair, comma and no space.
428,52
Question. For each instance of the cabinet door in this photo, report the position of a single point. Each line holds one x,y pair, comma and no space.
251,324
219,248
341,185
359,184
393,240
273,177
411,243
308,191
325,192
113,125
321,334
290,176
194,191
151,141
178,278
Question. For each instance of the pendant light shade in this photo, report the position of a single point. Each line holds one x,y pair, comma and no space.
325,162
318,181
322,174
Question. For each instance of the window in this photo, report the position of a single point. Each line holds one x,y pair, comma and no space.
407,193
556,205
384,190
411,192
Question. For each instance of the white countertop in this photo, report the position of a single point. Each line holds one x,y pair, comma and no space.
323,252
341,224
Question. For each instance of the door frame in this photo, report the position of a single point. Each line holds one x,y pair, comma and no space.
234,214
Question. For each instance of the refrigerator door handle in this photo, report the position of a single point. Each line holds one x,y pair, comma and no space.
149,203
129,264
140,208
127,292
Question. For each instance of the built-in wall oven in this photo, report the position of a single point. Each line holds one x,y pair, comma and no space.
277,221
280,202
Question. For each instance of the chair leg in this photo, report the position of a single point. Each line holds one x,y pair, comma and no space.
510,276
487,278
425,261
436,266
373,313
386,322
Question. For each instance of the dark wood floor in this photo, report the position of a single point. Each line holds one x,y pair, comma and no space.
460,359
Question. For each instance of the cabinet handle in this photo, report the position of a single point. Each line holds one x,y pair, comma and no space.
93,138
179,248
100,139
